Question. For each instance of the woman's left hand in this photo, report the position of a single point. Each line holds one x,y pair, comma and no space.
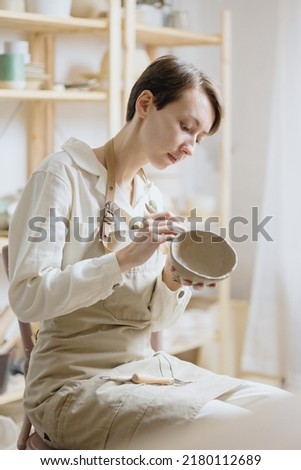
187,282
173,280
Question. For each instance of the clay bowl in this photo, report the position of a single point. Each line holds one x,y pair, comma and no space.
202,257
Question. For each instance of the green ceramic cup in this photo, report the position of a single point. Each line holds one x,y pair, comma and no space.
12,71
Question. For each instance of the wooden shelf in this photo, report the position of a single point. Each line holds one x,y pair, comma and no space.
148,35
32,22
50,95
171,37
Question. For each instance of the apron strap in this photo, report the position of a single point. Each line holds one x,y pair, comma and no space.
110,206
109,155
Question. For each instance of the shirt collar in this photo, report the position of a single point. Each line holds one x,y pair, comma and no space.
84,157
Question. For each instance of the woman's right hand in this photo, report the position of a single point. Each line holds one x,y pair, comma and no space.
157,229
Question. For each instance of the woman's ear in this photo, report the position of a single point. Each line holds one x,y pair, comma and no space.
143,103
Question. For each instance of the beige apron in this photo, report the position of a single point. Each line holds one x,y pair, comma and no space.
103,414
85,411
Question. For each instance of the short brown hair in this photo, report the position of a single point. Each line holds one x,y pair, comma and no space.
167,78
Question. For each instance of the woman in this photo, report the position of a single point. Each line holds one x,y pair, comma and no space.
85,262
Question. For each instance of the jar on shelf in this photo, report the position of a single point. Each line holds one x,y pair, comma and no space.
150,13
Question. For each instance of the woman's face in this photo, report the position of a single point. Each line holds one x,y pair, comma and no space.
171,134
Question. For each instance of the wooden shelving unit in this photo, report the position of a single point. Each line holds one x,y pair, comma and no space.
29,22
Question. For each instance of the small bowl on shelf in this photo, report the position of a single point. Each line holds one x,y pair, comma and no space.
202,257
58,8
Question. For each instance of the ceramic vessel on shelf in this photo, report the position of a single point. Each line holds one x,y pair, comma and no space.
149,14
178,19
12,72
59,8
141,61
18,47
89,8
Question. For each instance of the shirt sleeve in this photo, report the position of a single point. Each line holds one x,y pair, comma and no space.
41,287
166,305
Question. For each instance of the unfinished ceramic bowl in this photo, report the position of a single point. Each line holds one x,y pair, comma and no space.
202,257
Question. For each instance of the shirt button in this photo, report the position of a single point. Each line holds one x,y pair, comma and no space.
181,294
115,286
